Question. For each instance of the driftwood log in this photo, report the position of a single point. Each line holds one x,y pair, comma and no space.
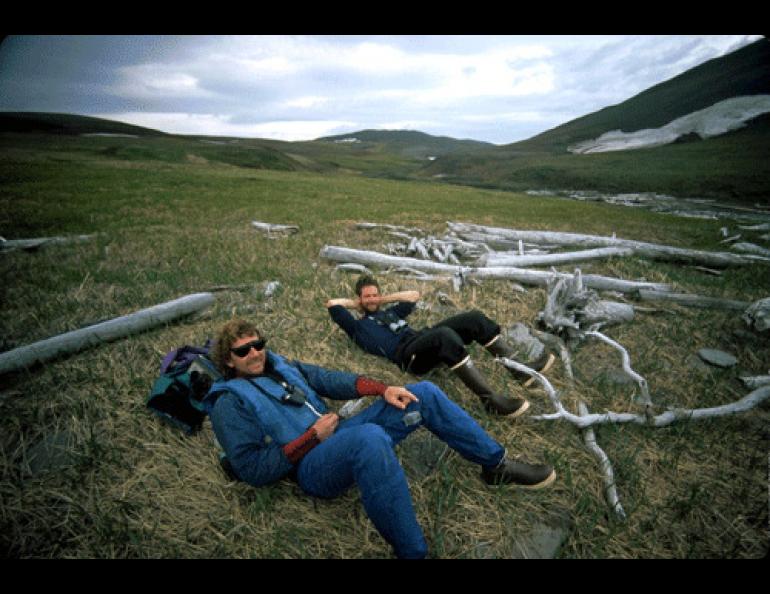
78,340
669,417
524,276
610,490
649,250
690,300
757,315
8,245
519,260
271,229
755,381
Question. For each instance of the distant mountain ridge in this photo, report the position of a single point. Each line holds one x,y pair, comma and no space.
65,123
409,142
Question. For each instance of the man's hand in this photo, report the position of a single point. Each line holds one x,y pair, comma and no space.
326,425
399,397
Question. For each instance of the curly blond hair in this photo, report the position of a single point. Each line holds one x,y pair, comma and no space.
228,334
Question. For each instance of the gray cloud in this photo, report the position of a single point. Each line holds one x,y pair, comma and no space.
493,88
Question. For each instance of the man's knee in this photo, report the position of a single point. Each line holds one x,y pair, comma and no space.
368,437
427,392
487,328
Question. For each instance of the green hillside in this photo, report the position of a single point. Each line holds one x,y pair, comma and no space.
743,72
62,123
408,143
733,167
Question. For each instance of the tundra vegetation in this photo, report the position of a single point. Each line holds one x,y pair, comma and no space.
86,471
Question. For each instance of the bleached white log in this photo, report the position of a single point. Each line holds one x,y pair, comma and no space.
369,226
604,313
610,490
271,229
757,315
78,340
557,343
751,248
510,259
731,239
755,381
553,395
8,245
759,227
746,403
690,300
522,275
645,249
360,268
626,359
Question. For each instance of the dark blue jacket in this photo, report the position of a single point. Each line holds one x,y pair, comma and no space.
252,421
372,332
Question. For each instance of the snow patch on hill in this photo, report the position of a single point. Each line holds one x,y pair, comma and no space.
720,118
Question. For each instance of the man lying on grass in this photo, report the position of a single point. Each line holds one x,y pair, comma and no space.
269,417
385,332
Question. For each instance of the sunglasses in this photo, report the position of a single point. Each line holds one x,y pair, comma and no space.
245,349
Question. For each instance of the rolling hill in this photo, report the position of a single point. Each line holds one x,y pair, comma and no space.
743,72
733,166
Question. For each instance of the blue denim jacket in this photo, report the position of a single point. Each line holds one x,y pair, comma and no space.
252,422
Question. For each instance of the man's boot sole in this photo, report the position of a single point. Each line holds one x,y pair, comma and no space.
511,415
546,367
541,485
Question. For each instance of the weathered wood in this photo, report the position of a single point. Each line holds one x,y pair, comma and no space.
755,381
757,315
524,260
524,276
369,226
608,475
8,245
626,362
78,340
690,300
271,229
669,417
751,248
641,248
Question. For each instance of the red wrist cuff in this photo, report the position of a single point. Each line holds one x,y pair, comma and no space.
368,387
296,449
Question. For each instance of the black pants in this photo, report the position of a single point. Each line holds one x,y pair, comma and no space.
445,342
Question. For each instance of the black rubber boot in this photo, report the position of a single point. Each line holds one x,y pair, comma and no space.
500,348
521,474
493,402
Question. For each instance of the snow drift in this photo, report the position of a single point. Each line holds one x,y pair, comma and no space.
720,118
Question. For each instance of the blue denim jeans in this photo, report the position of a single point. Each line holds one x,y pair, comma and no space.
361,452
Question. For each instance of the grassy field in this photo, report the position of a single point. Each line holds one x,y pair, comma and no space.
132,487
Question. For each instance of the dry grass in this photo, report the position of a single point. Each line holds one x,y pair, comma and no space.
136,488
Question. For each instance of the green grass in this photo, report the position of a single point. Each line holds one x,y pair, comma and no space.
732,167
170,226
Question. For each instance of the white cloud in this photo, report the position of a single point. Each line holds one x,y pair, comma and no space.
148,81
220,125
307,102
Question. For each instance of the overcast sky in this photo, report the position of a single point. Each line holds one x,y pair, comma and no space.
499,89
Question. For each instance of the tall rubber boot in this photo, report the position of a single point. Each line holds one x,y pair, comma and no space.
500,348
493,402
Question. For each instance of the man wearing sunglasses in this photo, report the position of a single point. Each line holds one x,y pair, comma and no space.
269,417
384,332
